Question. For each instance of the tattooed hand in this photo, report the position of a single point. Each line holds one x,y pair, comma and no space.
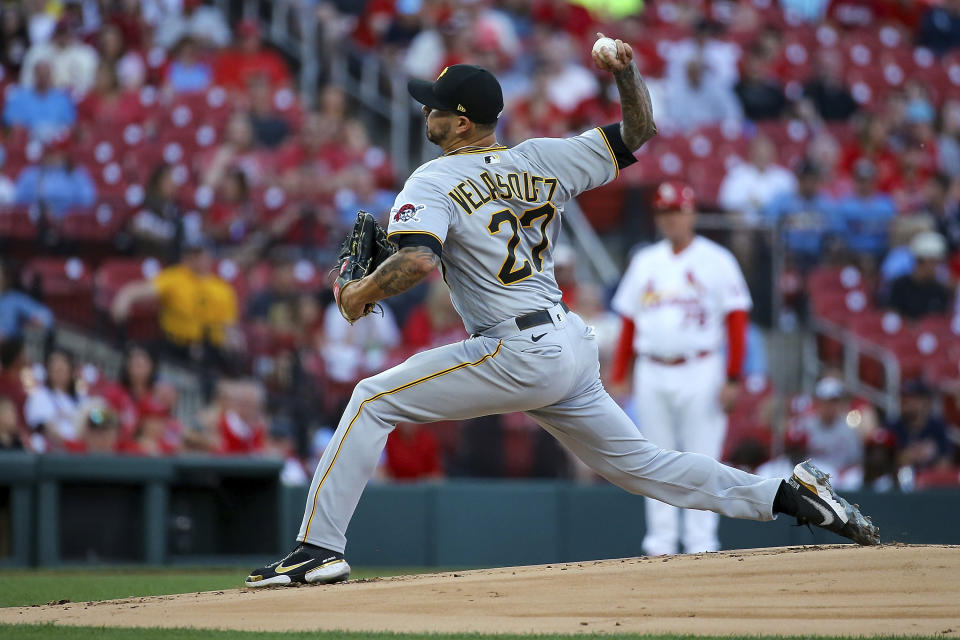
399,272
637,126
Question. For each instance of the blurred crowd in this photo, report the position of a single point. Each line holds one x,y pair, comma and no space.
163,185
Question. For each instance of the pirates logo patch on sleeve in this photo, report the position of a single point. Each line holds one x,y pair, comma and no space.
407,213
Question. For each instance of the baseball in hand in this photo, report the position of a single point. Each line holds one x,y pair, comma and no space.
606,48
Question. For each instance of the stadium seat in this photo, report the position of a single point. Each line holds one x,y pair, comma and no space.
63,284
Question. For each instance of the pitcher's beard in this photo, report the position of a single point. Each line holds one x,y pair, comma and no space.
437,137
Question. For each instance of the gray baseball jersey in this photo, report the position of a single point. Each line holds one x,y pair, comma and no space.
496,212
493,216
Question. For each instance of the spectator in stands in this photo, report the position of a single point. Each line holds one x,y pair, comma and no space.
900,260
242,425
270,129
73,63
204,23
18,310
718,56
862,217
948,144
804,216
921,436
276,306
412,453
236,151
698,97
14,40
357,150
535,115
795,451
943,201
188,72
157,434
880,462
359,191
832,444
56,185
231,218
98,428
921,293
13,360
53,407
160,228
107,102
44,111
940,27
280,444
434,322
10,434
760,93
873,143
353,351
237,66
136,394
827,89
197,308
750,186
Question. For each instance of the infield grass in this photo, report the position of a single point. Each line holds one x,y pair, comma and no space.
45,632
21,588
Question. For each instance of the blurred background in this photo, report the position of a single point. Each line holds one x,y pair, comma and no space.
176,177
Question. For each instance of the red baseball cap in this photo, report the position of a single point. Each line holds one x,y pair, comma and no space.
674,196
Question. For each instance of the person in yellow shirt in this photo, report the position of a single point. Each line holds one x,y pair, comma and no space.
197,308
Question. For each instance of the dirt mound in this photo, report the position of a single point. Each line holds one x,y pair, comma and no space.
834,590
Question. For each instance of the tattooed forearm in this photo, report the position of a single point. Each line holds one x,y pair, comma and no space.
638,125
404,269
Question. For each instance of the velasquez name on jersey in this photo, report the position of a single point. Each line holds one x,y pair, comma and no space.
471,194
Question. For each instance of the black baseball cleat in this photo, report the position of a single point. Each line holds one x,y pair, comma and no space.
818,504
307,563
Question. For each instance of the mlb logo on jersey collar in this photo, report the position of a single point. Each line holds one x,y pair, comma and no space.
493,158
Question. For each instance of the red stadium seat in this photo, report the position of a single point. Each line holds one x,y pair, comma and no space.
65,285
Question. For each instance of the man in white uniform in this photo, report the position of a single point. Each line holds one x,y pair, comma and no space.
682,299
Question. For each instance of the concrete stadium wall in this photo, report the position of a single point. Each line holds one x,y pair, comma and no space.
82,510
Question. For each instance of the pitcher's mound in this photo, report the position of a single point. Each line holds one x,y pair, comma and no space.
833,590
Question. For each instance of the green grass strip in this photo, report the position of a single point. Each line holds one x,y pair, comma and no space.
24,588
45,632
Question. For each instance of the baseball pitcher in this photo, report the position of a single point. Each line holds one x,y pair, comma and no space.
489,216
682,300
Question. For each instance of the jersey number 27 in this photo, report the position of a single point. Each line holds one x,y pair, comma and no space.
509,272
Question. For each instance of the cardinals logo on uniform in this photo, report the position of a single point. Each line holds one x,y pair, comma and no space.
407,213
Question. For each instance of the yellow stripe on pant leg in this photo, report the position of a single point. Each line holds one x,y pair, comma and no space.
316,493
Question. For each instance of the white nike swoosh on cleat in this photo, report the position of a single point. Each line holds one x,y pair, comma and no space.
828,516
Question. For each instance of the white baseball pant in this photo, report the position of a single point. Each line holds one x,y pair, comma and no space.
678,407
550,371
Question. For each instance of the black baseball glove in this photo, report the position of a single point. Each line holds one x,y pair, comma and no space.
365,248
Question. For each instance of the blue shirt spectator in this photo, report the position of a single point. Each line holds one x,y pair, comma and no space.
362,194
187,73
863,217
805,215
940,28
42,110
17,310
55,185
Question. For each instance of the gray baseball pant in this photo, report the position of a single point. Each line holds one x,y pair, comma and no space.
556,381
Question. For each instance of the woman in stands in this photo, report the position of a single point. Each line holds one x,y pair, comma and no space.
53,406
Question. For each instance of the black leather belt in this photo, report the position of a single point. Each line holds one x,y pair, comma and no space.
537,318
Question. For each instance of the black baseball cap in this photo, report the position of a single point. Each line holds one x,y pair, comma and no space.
462,88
